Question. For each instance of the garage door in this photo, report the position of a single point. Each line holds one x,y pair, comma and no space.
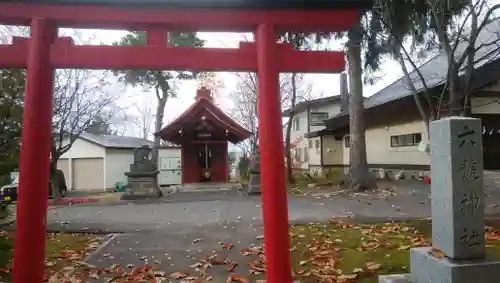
88,174
63,165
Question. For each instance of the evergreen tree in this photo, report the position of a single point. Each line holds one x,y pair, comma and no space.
163,82
12,85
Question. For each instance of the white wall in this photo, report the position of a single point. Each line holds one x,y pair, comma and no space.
117,162
297,138
332,151
315,153
84,149
346,153
379,150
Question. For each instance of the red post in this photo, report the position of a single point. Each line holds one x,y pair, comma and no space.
156,37
274,198
29,263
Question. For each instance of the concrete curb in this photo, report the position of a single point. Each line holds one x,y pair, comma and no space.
101,247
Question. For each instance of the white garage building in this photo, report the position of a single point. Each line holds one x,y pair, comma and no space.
98,162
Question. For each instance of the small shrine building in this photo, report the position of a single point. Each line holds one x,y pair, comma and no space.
203,132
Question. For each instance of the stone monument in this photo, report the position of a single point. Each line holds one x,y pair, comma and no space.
254,184
458,225
142,180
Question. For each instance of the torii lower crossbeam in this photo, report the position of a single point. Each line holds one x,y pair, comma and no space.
64,54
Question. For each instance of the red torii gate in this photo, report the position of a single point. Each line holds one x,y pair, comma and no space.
44,51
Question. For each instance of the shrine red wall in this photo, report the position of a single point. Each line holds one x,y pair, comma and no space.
191,170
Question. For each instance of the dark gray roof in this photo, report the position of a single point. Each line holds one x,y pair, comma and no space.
434,70
226,4
302,106
116,141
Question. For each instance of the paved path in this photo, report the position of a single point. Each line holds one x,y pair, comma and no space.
162,232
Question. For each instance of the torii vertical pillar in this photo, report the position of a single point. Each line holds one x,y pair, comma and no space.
274,197
29,263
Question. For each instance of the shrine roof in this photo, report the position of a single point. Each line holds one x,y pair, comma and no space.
204,105
222,4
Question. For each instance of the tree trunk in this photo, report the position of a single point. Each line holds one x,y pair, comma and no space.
455,102
53,184
160,110
360,176
288,154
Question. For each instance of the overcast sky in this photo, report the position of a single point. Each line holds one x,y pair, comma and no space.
322,84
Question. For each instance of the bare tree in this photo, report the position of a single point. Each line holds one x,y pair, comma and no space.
144,120
244,100
80,98
244,109
291,99
463,33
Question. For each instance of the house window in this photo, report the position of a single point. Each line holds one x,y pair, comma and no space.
406,140
296,124
347,141
306,155
317,118
310,144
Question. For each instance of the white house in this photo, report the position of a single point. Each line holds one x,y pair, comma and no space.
98,162
309,117
395,132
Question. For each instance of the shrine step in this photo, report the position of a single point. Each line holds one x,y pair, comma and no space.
205,187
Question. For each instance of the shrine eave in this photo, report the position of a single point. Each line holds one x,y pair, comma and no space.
205,107
216,4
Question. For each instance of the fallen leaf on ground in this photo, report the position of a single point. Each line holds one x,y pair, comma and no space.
346,278
303,262
403,248
215,260
178,275
371,266
227,246
239,278
231,266
357,270
437,253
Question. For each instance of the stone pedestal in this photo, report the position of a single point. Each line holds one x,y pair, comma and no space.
457,209
255,184
141,185
142,180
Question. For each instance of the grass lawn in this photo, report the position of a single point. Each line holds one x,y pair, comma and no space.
347,252
61,252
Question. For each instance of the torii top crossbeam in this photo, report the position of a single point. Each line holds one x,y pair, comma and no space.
157,16
213,15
